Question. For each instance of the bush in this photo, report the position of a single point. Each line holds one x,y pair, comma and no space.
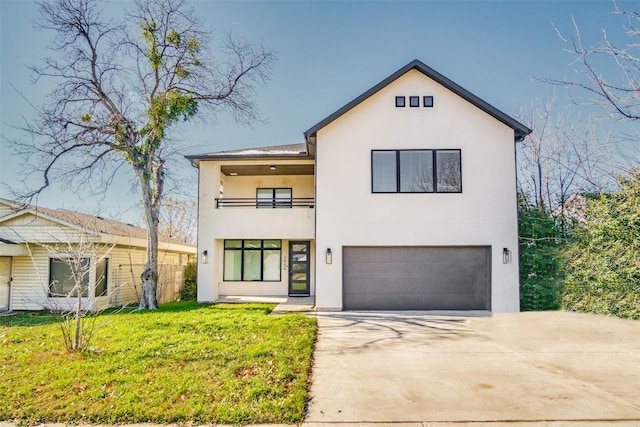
603,261
189,291
540,243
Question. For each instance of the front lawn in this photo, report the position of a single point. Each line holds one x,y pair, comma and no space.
183,363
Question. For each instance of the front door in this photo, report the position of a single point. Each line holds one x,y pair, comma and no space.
5,282
299,268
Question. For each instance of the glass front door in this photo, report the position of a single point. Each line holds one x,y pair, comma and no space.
299,268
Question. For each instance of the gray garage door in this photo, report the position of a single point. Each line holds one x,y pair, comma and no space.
416,278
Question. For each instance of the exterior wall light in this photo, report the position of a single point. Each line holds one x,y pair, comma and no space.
329,256
506,256
272,167
205,257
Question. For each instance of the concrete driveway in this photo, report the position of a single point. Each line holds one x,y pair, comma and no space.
554,368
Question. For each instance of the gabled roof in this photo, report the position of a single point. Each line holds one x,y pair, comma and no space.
520,130
274,152
83,222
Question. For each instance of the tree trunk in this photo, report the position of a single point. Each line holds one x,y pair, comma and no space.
150,198
78,316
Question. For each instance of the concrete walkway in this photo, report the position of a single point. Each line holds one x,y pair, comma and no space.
286,304
524,369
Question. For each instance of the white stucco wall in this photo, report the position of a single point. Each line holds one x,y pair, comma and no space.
348,213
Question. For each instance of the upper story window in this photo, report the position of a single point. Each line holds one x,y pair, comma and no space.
273,198
416,171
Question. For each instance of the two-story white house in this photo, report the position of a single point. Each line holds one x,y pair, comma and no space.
403,199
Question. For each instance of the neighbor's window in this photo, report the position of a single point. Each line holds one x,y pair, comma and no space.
416,171
273,198
62,279
102,273
252,260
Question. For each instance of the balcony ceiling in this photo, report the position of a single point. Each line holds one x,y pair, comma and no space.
253,170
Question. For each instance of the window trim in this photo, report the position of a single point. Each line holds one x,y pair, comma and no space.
435,171
242,250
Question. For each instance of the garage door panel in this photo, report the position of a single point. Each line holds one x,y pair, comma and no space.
416,278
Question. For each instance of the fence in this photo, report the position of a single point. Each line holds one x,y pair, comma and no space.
128,287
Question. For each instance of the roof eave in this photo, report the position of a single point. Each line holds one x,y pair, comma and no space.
520,130
247,157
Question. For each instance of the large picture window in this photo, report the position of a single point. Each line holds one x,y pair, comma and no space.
416,171
252,260
63,278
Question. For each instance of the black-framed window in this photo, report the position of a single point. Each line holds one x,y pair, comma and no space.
271,198
400,101
252,260
414,101
416,171
427,101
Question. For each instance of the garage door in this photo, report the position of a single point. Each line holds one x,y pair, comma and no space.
417,278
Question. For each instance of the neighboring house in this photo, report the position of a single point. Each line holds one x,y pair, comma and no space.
34,243
403,199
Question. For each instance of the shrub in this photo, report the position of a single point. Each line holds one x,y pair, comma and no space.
189,291
540,243
603,261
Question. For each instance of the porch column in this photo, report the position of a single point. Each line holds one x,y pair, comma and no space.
209,190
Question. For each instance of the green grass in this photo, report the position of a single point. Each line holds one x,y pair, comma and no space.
183,363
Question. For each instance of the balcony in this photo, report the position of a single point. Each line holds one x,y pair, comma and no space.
239,202
255,218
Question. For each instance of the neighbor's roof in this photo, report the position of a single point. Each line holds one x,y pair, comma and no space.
275,152
88,223
520,130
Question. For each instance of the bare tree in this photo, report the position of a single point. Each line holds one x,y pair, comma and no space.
608,76
620,93
122,85
178,219
79,258
71,293
560,157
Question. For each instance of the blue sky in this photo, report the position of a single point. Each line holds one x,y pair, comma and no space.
329,52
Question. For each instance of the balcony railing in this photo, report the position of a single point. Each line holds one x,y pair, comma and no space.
298,202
